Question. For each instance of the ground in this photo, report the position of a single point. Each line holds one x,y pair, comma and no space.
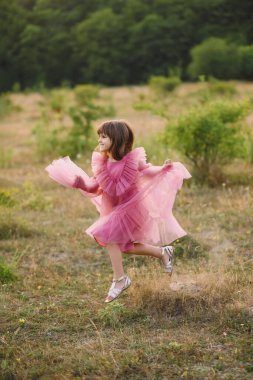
54,323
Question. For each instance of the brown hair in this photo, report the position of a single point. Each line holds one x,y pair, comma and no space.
121,135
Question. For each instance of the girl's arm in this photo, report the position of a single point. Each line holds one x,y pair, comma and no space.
91,187
151,170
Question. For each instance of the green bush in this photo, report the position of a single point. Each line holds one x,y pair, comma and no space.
164,84
6,106
80,137
86,93
221,88
246,62
7,274
187,248
6,199
58,100
209,136
215,57
76,137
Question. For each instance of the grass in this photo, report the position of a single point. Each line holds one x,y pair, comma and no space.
54,322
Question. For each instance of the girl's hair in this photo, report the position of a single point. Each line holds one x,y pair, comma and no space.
120,134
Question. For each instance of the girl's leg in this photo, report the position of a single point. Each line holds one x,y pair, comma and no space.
145,249
148,250
117,265
116,260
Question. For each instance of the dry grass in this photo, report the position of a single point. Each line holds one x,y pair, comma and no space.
53,321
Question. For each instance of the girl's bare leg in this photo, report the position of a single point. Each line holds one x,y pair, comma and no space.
117,264
148,250
145,249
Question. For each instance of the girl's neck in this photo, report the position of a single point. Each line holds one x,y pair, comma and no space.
110,157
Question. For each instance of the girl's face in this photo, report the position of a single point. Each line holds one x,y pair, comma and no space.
104,143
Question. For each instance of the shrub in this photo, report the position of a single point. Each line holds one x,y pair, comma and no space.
221,87
6,106
6,274
246,59
76,137
57,100
215,57
80,136
164,84
6,199
209,136
86,93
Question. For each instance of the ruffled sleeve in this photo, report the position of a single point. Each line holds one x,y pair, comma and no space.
129,172
126,177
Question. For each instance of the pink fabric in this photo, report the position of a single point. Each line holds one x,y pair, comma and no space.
134,198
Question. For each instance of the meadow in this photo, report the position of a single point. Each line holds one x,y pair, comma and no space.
54,323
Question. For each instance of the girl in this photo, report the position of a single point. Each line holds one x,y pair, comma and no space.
133,197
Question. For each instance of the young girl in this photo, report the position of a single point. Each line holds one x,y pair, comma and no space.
134,199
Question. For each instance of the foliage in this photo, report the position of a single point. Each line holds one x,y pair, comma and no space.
112,42
6,198
164,84
58,100
6,106
215,57
209,136
85,93
6,274
32,198
246,59
80,136
188,248
221,87
71,132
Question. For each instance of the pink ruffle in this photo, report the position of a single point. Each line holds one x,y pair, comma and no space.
126,175
136,201
64,171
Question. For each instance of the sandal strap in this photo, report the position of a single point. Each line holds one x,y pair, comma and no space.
113,291
169,250
118,279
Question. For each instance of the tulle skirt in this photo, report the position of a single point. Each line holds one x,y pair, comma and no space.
143,215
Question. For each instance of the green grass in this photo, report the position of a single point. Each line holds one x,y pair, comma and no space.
54,322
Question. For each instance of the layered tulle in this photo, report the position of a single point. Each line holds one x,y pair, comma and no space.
136,201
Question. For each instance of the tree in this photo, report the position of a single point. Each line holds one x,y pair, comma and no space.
97,44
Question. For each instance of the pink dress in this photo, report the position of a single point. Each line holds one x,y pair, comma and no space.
134,198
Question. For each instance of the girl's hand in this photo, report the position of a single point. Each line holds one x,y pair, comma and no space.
79,183
167,164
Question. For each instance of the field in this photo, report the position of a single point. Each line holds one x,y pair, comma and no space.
54,323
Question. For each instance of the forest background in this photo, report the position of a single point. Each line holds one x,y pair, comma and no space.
119,42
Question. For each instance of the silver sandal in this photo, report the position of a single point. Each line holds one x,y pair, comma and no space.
168,250
115,292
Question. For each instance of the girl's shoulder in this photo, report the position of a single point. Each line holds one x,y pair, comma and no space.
136,154
127,171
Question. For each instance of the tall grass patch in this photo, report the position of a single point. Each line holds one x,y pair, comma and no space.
6,106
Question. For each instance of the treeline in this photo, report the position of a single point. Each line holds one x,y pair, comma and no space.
112,42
